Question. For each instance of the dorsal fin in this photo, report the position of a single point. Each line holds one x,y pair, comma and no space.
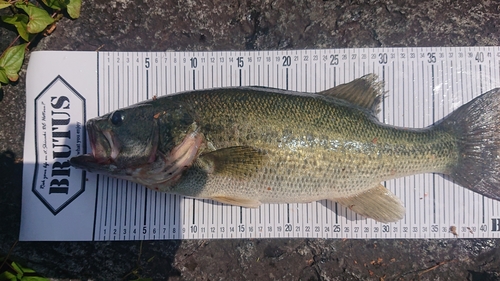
365,91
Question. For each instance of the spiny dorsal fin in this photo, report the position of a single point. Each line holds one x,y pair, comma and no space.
377,203
236,161
364,91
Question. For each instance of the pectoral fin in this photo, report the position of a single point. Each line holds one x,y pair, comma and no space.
377,203
237,201
238,161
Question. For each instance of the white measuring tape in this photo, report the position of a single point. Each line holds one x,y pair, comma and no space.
423,85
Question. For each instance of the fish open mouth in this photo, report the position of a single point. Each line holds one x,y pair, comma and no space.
145,164
105,148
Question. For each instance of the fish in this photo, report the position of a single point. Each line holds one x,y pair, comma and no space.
247,146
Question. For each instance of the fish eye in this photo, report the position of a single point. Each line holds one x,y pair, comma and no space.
116,118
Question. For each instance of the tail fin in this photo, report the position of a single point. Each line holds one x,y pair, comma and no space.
477,124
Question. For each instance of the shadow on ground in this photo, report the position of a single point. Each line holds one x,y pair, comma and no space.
71,259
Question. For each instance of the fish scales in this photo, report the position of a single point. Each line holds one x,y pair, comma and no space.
317,147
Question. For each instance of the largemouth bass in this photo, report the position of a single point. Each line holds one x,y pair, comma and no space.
251,145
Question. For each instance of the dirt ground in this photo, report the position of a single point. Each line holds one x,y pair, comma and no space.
159,25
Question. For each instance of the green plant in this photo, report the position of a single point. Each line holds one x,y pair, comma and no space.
30,21
12,271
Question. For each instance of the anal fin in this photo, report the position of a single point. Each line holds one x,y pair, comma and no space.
237,201
377,203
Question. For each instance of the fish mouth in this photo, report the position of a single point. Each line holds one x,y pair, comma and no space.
104,145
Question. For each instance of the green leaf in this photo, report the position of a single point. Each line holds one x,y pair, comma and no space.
55,4
39,19
18,269
7,276
4,79
20,22
74,8
4,4
12,60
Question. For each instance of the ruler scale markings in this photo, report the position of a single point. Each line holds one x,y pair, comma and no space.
296,75
101,193
434,108
354,63
451,88
155,79
128,94
171,218
305,80
477,71
108,92
221,77
147,77
482,215
116,196
314,65
405,115
115,83
95,209
462,88
119,101
231,75
269,218
105,213
203,72
135,208
193,203
141,215
212,76
99,84
327,210
203,212
324,76
425,107
106,205
212,216
223,221
151,212
164,226
407,219
194,65
174,65
278,82
447,94
268,75
250,77
183,204
126,229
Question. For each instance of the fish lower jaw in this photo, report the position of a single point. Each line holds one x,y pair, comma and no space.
113,144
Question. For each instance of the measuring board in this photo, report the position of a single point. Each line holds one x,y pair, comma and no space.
64,89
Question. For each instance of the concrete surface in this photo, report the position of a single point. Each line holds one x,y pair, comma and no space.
158,25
